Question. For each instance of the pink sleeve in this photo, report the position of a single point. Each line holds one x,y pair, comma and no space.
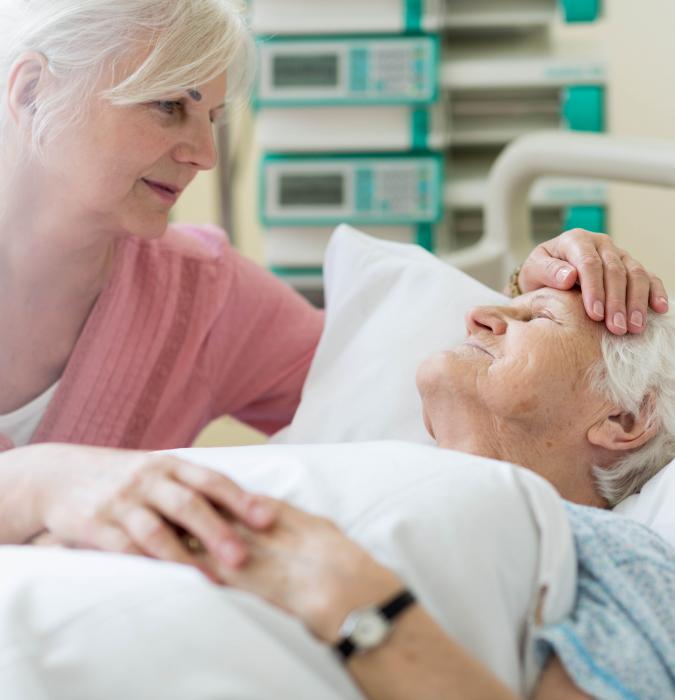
260,347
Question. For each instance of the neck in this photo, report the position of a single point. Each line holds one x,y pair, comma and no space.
47,261
563,462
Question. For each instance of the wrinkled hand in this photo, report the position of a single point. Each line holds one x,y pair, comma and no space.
614,286
306,566
138,503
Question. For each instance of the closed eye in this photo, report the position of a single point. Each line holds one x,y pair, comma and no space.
540,315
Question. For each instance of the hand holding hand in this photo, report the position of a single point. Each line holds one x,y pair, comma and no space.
615,287
136,503
308,567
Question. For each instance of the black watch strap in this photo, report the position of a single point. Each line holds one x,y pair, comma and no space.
345,648
389,610
397,604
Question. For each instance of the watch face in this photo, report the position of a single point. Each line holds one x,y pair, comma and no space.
370,629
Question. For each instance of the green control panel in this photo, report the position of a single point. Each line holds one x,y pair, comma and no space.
358,189
348,71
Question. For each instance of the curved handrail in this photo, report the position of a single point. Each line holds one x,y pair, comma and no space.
507,222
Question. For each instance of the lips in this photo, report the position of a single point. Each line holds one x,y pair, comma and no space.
166,192
171,189
472,344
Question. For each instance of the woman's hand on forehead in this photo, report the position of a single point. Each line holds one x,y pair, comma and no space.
615,287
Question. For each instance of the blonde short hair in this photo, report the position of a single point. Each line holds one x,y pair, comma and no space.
186,43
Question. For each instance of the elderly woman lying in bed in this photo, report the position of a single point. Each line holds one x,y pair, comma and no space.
536,383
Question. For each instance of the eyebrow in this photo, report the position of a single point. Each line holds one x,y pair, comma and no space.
197,96
545,296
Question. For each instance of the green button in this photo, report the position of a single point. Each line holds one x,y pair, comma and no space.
584,108
591,218
580,10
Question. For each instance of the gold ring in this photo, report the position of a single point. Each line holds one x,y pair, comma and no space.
193,544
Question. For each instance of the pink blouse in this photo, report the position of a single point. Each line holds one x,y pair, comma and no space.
185,331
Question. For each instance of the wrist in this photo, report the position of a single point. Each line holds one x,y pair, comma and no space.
370,585
21,489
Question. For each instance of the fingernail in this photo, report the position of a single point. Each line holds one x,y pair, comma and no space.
636,319
663,301
599,309
620,321
562,274
231,553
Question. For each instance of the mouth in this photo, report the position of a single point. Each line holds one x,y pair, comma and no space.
166,191
473,344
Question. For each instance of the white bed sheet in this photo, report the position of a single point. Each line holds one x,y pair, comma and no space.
475,539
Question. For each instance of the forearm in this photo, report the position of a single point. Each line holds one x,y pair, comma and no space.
420,661
19,511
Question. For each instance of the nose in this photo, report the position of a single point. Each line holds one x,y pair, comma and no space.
486,318
198,148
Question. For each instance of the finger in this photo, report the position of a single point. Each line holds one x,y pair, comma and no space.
46,539
658,297
185,507
255,511
108,538
615,291
580,249
637,294
154,537
591,280
541,269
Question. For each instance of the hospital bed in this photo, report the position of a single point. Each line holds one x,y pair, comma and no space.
54,635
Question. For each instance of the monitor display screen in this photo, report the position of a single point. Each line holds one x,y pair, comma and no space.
306,70
312,190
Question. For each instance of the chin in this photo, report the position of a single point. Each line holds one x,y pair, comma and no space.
147,227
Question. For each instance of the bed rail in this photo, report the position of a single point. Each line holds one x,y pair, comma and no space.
507,240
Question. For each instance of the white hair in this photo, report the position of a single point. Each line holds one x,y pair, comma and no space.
184,43
637,374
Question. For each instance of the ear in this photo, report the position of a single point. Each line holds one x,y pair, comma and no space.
620,431
26,78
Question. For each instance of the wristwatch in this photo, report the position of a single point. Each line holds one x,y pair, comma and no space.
366,628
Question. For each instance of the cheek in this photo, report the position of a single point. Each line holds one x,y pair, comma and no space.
522,385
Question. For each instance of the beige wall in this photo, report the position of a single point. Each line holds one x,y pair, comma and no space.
640,42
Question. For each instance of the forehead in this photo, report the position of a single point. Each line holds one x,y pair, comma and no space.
569,302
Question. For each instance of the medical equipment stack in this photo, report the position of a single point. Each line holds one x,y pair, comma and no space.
388,115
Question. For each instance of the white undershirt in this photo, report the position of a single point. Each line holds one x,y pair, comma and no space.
20,425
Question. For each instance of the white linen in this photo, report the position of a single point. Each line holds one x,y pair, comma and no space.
654,506
476,540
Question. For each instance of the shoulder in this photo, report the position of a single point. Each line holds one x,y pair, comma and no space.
198,252
203,243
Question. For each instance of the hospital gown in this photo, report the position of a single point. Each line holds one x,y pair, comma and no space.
619,644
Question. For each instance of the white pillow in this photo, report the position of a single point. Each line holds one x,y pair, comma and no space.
388,307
